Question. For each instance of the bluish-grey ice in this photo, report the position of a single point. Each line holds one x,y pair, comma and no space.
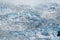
29,22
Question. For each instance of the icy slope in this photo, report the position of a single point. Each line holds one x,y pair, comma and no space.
24,22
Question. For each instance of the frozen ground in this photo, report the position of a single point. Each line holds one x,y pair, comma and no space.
28,22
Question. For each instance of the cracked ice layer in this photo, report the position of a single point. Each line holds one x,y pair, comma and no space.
25,35
38,23
24,17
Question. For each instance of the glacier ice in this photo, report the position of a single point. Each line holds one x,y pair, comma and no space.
24,22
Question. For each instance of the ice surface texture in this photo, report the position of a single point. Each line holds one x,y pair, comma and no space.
24,22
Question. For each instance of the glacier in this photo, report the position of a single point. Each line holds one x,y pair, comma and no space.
24,22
